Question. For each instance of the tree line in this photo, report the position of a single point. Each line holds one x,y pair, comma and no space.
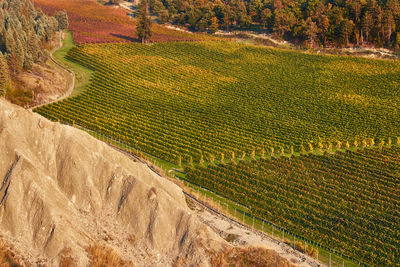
310,22
24,34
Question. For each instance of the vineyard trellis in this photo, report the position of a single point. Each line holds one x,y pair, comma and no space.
135,151
348,201
208,100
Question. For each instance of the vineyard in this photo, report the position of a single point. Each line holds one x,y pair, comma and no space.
206,101
91,22
349,201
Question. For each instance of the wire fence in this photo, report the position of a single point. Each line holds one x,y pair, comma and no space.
130,148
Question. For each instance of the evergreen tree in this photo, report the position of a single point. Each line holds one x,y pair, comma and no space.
4,75
62,19
143,24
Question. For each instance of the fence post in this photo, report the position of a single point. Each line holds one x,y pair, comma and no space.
235,212
253,221
330,259
262,227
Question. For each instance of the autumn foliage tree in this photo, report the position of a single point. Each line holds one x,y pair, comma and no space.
316,22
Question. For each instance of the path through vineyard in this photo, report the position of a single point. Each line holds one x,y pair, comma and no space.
71,85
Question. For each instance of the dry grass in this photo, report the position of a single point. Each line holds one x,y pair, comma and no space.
7,257
256,257
101,256
66,258
308,249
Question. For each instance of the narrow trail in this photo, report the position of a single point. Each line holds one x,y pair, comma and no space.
71,85
268,241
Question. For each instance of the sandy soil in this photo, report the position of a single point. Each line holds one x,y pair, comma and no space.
243,236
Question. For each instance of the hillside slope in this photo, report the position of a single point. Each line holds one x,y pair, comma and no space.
61,189
67,199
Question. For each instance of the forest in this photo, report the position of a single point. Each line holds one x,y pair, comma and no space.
24,34
308,22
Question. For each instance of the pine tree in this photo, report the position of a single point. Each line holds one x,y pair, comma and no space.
62,19
4,75
143,25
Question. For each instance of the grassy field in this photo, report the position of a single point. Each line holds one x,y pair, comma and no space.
349,201
82,74
193,102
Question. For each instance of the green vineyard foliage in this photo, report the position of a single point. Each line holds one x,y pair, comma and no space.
206,99
349,201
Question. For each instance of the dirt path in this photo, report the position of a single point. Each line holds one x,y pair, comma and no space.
240,234
127,5
70,86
